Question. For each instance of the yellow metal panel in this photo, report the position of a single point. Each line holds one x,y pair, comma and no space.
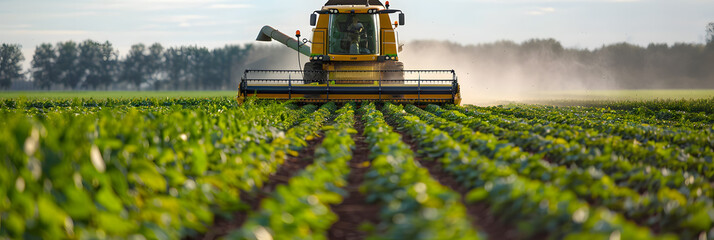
318,36
388,37
349,77
323,21
389,42
353,58
318,49
385,22
318,40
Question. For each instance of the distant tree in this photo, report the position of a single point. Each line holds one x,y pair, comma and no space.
200,64
543,47
109,64
44,71
227,60
89,62
68,64
220,61
97,62
155,65
10,64
134,66
710,33
626,63
177,62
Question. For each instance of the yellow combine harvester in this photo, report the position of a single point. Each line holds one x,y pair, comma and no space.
353,57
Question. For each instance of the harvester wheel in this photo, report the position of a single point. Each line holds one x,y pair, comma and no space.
314,73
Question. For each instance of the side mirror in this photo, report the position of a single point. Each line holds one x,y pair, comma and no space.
401,19
313,19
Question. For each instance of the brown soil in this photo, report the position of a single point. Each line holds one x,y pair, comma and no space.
355,210
481,216
222,226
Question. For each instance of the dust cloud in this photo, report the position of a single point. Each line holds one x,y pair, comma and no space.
505,72
272,56
269,56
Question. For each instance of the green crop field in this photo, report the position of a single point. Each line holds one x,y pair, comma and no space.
113,94
619,95
173,165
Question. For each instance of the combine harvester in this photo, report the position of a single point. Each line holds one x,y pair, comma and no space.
353,57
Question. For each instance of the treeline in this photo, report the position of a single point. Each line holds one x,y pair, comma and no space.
92,65
541,64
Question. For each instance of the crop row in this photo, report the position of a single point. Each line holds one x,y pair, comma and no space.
301,209
664,208
562,141
414,206
536,206
635,174
697,142
683,105
154,173
638,116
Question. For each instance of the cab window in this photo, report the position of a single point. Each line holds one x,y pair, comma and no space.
353,34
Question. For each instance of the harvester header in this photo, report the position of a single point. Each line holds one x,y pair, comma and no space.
353,57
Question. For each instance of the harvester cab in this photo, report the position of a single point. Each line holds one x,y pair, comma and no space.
353,57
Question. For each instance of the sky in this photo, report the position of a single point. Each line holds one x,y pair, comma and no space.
215,23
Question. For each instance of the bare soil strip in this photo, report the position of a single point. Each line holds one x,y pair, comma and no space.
222,226
355,210
481,217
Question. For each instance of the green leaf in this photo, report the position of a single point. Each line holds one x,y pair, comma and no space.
700,220
79,203
115,225
14,223
476,195
109,200
199,165
49,212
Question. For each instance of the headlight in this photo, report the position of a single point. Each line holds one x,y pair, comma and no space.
320,57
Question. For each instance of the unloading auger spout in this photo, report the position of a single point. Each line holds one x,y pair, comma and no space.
269,33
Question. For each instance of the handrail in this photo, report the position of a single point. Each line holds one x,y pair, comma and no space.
270,81
330,71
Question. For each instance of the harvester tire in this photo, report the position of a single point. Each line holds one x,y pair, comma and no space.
314,73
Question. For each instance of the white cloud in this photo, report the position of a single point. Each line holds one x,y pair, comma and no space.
541,11
182,20
162,5
48,32
229,6
15,26
189,21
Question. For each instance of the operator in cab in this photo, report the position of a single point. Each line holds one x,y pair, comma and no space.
355,31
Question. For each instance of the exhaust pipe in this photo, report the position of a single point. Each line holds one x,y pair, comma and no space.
269,33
